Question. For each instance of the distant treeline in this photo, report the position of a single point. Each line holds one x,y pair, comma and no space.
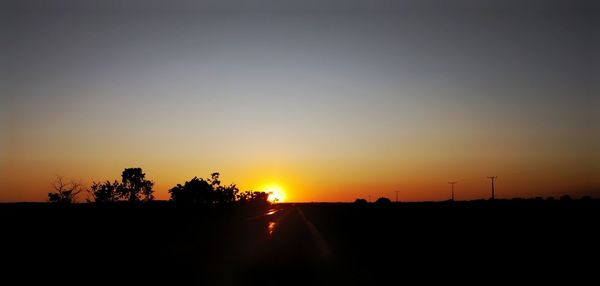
134,187
563,198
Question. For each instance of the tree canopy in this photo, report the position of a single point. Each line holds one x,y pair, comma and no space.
210,191
64,192
133,187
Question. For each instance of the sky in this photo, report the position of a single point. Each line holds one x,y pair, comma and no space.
330,100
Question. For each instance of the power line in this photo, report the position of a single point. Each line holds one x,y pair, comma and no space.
452,183
493,178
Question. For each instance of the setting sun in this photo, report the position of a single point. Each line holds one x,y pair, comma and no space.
276,194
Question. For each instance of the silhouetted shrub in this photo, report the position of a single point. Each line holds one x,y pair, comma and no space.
383,201
550,198
586,198
565,198
105,192
360,201
251,197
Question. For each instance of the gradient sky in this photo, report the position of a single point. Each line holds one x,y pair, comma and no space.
331,100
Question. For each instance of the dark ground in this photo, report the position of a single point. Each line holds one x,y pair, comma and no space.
303,244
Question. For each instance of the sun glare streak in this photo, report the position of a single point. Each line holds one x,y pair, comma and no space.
271,228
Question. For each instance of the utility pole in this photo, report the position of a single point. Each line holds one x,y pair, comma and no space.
452,183
493,178
369,198
397,196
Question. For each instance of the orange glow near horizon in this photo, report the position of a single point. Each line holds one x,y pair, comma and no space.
276,194
297,181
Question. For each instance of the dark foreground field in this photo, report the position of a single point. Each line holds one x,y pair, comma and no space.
303,244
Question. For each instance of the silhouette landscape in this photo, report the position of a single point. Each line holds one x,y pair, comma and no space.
315,142
209,233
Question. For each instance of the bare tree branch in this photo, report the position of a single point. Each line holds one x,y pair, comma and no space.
65,192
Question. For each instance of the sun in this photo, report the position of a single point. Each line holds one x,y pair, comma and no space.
276,194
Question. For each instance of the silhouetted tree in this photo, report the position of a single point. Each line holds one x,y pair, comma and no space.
214,179
134,186
192,192
105,192
201,191
226,194
383,201
360,201
243,197
64,193
223,194
252,197
260,197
